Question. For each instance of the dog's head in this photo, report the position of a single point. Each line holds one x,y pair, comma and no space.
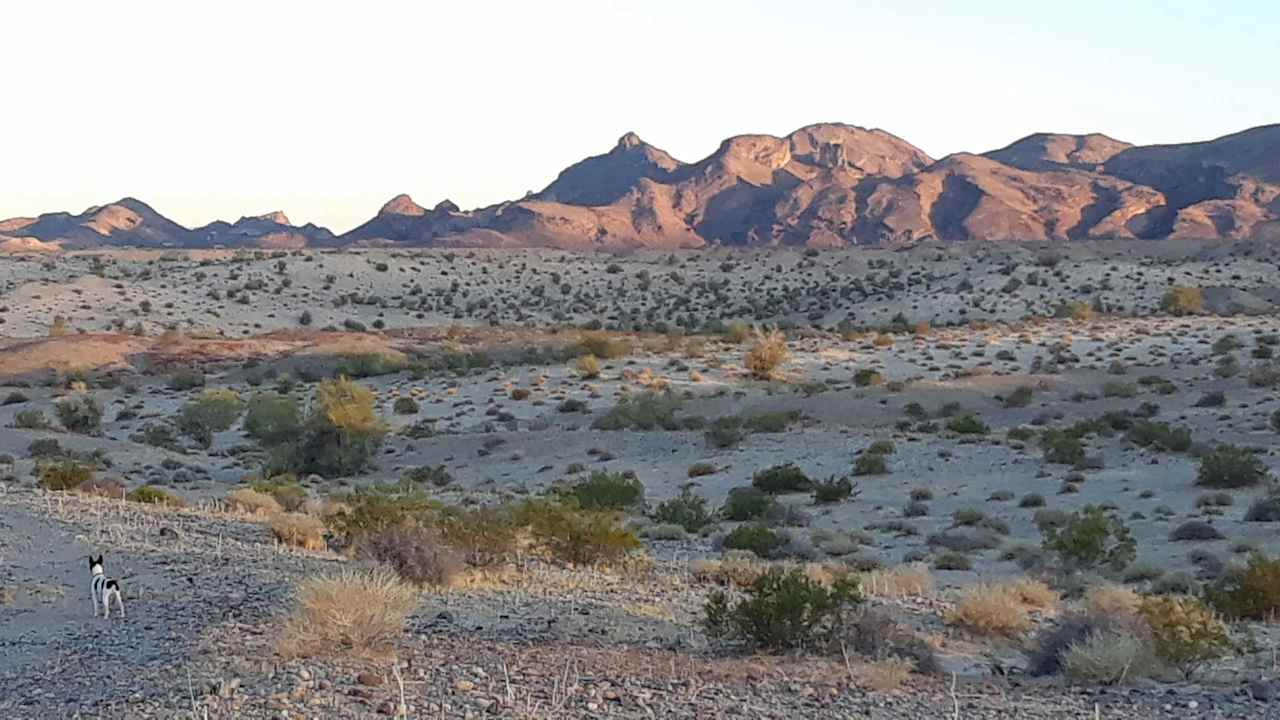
95,566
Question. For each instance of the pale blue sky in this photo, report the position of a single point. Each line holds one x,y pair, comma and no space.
326,110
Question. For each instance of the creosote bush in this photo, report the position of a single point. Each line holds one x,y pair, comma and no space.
608,491
1230,467
574,535
63,475
1185,632
1251,592
968,425
79,414
688,510
832,490
781,479
746,503
783,609
1180,301
213,412
273,418
151,495
1089,539
418,555
342,432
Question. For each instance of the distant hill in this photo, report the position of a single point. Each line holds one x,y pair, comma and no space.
824,185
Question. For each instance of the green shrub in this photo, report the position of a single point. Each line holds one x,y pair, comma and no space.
746,503
783,609
213,412
14,398
31,419
1264,510
186,379
701,469
379,507
273,419
576,536
608,491
363,365
1020,397
342,432
880,447
867,377
63,475
1184,631
772,422
284,488
754,538
1061,448
724,433
870,464
434,475
1182,301
687,510
1119,390
151,495
646,411
781,479
1160,436
79,414
1231,467
832,490
1251,592
485,536
952,561
968,425
405,406
1089,539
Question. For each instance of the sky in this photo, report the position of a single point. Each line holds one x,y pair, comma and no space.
326,110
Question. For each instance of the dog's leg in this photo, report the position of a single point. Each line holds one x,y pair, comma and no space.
106,605
120,602
93,596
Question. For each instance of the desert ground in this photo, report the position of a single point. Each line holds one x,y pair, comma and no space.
963,405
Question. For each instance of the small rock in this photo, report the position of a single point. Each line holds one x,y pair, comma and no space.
464,686
368,678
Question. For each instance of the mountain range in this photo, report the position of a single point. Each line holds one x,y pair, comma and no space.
825,185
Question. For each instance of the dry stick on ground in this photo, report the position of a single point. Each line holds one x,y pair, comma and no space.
395,670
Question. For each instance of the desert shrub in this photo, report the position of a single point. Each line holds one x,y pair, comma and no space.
418,555
770,422
363,365
605,347
1265,376
1031,500
273,419
284,489
867,377
832,490
152,495
1020,397
724,433
31,419
572,405
1090,538
701,469
746,503
342,432
767,354
45,448
1195,530
758,539
608,491
102,487
952,561
868,463
1251,592
62,475
252,502
1160,436
186,379
1230,467
688,510
14,398
967,425
1184,631
1074,310
644,411
576,536
213,412
484,536
1110,601
1119,390
587,367
965,542
361,611
1264,510
433,475
664,531
1180,301
1061,448
1108,657
405,406
781,479
379,507
1215,398
782,609
79,414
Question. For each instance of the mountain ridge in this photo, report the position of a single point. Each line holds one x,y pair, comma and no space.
822,185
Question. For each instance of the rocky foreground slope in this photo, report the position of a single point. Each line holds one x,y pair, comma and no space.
826,185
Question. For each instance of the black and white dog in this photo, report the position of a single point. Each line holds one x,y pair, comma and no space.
103,589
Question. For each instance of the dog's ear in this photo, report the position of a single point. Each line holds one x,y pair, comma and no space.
99,560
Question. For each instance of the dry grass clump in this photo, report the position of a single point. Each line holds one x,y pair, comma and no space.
1111,601
912,580
1002,609
359,611
418,555
881,675
252,502
298,530
767,354
737,568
